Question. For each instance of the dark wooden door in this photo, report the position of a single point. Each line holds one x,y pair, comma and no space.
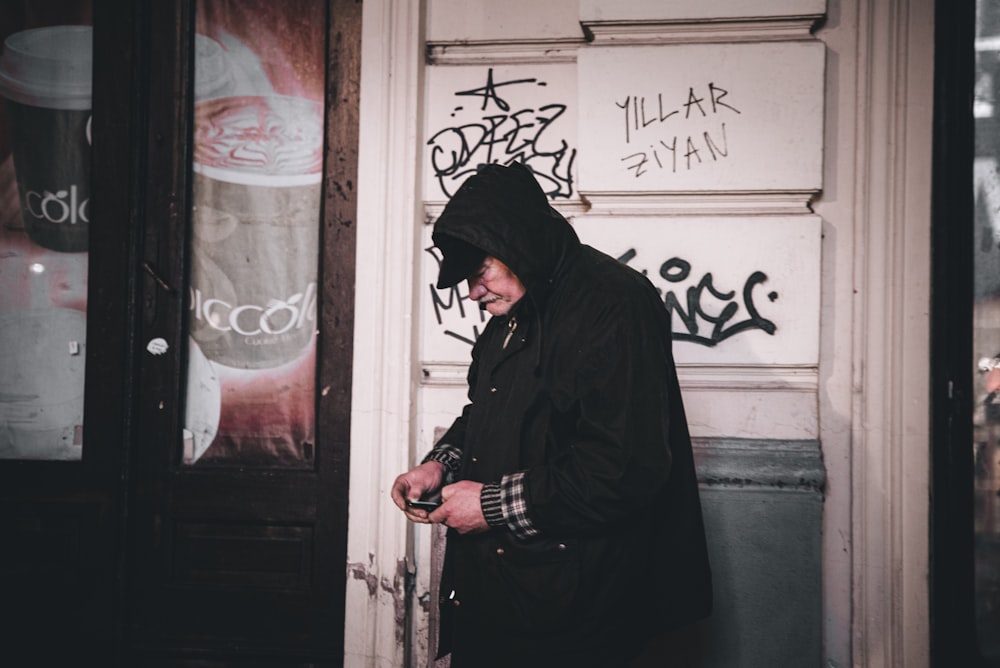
238,558
137,551
236,554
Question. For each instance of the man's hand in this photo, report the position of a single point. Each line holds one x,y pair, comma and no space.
461,509
415,483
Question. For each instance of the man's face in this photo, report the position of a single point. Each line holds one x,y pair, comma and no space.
495,285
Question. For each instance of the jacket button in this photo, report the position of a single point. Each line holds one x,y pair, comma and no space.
493,389
500,551
562,546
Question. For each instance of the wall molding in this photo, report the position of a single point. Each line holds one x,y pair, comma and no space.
700,203
890,424
701,31
624,33
784,465
378,551
762,377
676,203
748,377
513,52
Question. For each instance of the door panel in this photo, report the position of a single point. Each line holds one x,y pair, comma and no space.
239,516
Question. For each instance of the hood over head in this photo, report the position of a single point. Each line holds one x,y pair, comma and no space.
502,211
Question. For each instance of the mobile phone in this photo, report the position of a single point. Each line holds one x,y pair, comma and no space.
428,504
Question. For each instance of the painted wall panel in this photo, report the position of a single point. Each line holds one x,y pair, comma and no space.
762,502
456,20
743,121
701,117
764,546
746,413
647,10
478,114
741,291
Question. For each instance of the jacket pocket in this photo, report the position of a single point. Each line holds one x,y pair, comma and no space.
538,583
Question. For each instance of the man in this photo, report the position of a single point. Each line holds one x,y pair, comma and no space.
567,483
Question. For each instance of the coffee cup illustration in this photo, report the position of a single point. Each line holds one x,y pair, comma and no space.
255,224
45,81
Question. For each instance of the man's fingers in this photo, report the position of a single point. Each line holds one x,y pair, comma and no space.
447,491
400,492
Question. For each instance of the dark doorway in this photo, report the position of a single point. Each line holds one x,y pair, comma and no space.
206,521
965,324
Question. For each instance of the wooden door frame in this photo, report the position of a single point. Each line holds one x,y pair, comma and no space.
166,30
379,561
952,586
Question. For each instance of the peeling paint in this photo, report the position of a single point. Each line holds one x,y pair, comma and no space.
802,484
399,599
359,571
395,588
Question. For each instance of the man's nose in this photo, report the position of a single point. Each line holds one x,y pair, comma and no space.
476,289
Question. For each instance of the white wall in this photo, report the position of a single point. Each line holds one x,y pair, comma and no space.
851,279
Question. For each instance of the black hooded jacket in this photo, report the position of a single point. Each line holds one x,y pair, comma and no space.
580,420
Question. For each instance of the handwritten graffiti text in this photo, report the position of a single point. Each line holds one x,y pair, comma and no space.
665,156
704,303
702,313
679,145
524,135
469,323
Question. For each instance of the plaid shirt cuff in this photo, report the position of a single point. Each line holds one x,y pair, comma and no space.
448,455
492,504
515,506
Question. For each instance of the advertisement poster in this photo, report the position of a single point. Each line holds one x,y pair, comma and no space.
256,188
45,102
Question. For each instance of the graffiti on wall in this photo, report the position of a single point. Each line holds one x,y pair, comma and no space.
503,121
701,311
676,133
456,316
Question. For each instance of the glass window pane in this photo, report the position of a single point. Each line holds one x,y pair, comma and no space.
257,170
45,89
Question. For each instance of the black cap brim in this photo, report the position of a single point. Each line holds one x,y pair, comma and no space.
461,260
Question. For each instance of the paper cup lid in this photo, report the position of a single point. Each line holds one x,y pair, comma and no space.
48,67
